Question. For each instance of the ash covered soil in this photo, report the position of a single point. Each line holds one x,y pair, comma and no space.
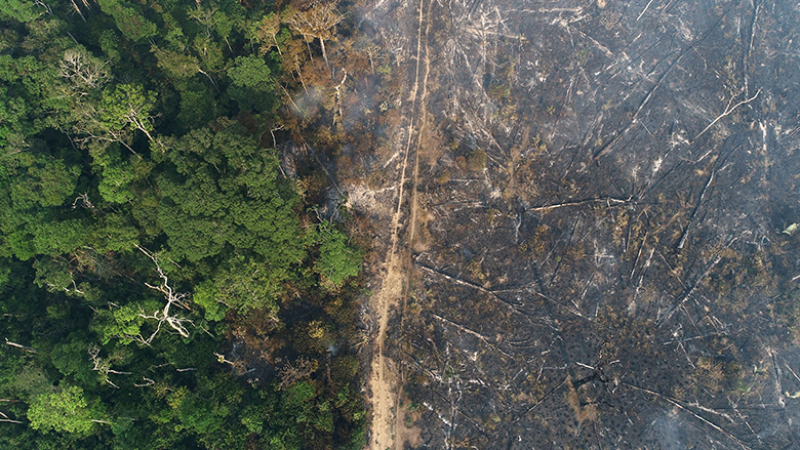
598,222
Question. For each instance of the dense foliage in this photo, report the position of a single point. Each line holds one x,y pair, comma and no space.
164,284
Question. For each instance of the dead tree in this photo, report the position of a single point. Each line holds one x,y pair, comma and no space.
291,373
204,17
102,366
82,71
88,124
316,23
682,242
174,298
78,10
239,366
136,116
267,33
23,347
728,110
338,100
148,382
85,202
5,418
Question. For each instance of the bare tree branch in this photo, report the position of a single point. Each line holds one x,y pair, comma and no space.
728,110
318,23
14,344
172,297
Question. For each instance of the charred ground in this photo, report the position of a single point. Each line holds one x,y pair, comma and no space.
607,191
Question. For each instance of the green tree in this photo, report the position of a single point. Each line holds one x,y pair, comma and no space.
198,105
31,99
128,323
71,358
245,283
177,65
225,190
41,180
253,82
337,260
130,21
54,274
64,411
21,10
118,174
251,71
113,232
58,237
127,105
206,295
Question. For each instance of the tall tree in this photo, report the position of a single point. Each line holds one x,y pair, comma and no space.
265,32
318,22
22,10
128,105
129,19
66,411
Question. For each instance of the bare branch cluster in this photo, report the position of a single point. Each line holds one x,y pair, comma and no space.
174,298
85,202
291,373
317,22
103,366
82,71
88,124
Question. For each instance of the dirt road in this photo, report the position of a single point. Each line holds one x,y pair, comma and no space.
388,427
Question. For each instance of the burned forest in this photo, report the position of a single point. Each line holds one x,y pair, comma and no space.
590,232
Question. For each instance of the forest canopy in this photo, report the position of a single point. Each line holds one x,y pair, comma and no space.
165,283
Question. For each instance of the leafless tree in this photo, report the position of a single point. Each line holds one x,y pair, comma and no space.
77,9
318,22
291,373
174,298
267,33
5,418
103,366
728,110
20,346
148,382
85,202
84,72
204,17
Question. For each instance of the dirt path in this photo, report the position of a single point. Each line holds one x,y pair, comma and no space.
382,380
388,427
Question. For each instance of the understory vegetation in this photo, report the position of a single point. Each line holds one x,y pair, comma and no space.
165,283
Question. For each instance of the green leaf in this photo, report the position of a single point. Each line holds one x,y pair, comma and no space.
337,261
127,105
251,71
64,411
129,20
205,295
21,10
